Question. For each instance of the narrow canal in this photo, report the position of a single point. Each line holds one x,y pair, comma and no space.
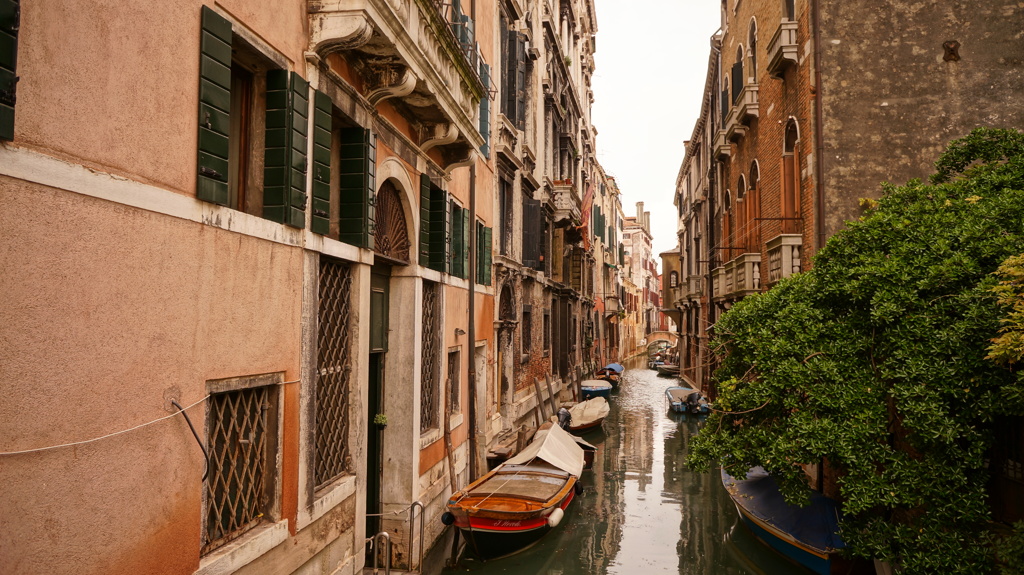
643,512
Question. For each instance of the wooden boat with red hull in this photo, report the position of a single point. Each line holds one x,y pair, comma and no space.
521,500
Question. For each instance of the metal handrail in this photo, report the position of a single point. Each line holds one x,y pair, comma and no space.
373,547
412,516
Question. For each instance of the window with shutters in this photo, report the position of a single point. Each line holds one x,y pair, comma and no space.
252,127
454,380
547,333
435,228
242,441
513,73
532,236
790,180
10,24
483,254
507,215
527,332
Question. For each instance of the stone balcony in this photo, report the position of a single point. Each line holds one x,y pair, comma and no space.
783,257
738,278
693,289
722,147
417,53
783,50
742,113
565,201
611,305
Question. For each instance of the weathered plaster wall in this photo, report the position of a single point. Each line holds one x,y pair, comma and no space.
107,315
891,100
133,89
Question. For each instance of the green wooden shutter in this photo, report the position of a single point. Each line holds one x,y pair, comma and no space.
438,228
424,220
10,24
487,256
357,176
485,110
466,230
284,172
214,107
458,239
478,276
321,222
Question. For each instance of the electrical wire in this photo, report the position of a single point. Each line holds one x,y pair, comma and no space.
140,426
83,442
206,455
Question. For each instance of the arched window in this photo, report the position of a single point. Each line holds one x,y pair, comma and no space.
673,279
742,224
752,50
789,10
791,178
753,202
737,75
727,225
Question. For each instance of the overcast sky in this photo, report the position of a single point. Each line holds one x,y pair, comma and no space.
651,65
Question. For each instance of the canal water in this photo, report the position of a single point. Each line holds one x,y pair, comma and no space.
643,512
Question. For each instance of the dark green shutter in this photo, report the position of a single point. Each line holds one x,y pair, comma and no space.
438,229
321,222
10,23
466,230
284,171
520,81
485,110
487,256
622,254
458,239
424,220
357,176
214,107
478,276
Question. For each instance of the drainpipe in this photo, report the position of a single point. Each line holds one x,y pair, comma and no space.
474,428
819,217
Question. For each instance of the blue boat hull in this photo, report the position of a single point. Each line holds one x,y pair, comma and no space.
590,393
816,563
807,535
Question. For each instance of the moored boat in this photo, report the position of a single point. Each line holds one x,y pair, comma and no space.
587,415
687,400
521,500
590,388
610,373
808,535
667,369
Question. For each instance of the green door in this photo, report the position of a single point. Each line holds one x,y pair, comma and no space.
379,280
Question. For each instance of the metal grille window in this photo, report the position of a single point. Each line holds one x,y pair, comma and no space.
332,457
429,388
236,495
454,382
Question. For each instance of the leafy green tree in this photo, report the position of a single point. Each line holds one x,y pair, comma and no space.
875,362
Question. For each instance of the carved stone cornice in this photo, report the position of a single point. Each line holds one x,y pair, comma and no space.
389,79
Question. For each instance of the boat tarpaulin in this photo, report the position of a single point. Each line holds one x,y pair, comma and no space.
589,411
555,446
816,525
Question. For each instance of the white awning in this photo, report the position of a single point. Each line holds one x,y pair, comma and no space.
555,446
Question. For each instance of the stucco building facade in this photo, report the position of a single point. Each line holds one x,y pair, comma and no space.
809,106
343,238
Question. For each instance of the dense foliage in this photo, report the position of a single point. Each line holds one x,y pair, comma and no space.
875,361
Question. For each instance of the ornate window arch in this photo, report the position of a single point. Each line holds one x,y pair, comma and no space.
391,234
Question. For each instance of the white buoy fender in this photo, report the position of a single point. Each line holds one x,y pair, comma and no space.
556,517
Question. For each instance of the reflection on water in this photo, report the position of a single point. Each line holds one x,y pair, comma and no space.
643,511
